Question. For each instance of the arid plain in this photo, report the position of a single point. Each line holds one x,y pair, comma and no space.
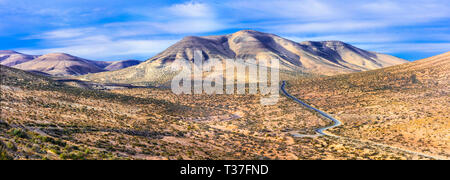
388,111
42,119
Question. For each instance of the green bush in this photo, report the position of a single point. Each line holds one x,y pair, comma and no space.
11,146
18,133
73,156
46,139
3,153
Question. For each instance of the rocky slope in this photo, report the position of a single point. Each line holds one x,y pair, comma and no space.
116,65
11,58
405,106
323,58
60,64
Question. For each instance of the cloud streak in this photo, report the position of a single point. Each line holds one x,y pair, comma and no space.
77,25
130,38
107,49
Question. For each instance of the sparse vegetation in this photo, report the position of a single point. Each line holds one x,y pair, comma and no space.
43,119
17,133
405,106
3,152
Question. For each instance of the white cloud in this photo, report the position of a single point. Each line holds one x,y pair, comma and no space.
176,26
74,26
333,26
105,48
380,38
63,33
352,38
192,9
310,9
190,17
298,16
313,10
131,38
411,11
189,26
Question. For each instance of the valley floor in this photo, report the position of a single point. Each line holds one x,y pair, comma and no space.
39,124
44,119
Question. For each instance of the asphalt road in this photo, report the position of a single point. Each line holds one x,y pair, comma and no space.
320,131
336,123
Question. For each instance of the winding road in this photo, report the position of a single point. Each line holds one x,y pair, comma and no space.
320,131
336,123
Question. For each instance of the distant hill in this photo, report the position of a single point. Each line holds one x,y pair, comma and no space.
11,58
426,73
322,58
60,64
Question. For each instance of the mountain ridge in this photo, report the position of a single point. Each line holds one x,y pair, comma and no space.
11,58
59,64
321,58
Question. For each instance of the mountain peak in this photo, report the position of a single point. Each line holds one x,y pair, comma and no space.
59,57
250,31
323,58
193,39
236,34
12,58
60,64
59,54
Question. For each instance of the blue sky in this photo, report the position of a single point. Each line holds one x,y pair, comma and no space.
139,29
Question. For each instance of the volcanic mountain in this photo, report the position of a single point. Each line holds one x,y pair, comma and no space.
60,64
11,58
321,58
327,57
